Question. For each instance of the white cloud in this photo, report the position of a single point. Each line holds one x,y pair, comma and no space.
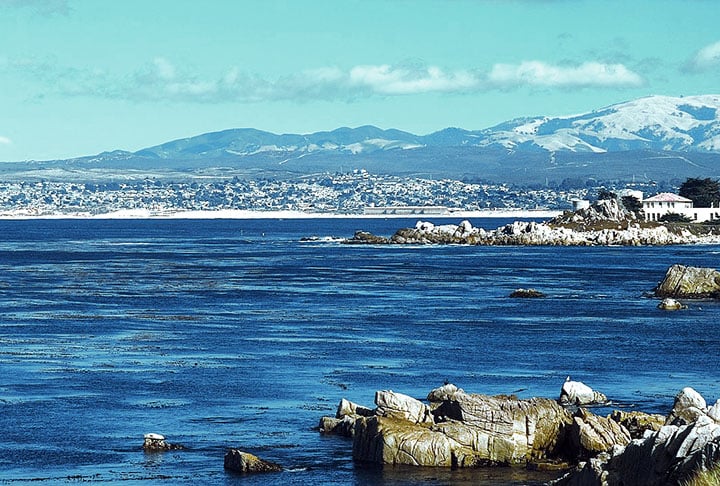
587,74
389,80
5,140
706,58
163,80
164,69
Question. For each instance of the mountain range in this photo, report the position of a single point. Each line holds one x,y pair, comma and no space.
651,138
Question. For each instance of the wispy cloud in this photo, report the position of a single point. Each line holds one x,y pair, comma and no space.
5,140
705,59
587,74
163,80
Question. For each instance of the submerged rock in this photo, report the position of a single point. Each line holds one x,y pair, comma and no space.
244,462
683,282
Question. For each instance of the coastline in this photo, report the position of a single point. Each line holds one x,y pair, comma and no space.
281,214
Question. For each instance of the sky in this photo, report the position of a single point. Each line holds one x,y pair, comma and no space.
78,77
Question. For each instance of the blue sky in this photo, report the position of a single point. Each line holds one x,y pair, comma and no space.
78,77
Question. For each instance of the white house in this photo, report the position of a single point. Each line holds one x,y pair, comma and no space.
661,204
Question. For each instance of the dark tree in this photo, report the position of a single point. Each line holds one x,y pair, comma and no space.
632,204
675,218
605,194
704,193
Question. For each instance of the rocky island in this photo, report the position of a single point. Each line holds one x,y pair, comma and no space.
606,222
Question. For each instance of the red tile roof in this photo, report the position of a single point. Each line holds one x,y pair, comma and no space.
667,197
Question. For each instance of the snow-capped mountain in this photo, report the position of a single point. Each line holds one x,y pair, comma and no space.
653,123
658,123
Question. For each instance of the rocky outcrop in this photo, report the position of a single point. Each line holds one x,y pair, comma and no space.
536,234
606,222
683,282
244,462
458,429
669,454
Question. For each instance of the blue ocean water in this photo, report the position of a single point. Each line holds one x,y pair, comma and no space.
235,333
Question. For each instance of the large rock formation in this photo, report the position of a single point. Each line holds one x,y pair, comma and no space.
459,429
683,282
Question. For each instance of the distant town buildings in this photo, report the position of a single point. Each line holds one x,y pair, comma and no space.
357,192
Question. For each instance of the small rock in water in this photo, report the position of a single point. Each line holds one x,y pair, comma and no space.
669,303
244,462
526,294
156,443
577,393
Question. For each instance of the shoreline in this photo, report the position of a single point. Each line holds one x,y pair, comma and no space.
283,214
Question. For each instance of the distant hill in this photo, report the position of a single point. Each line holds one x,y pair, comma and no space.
653,138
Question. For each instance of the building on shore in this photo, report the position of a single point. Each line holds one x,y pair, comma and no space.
659,205
409,210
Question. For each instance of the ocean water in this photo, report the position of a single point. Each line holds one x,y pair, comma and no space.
236,334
